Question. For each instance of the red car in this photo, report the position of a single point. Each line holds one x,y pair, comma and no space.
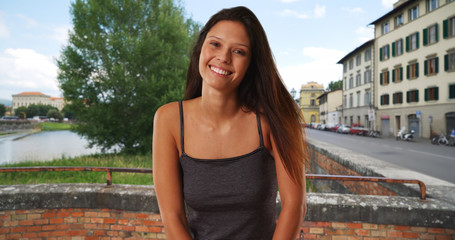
358,129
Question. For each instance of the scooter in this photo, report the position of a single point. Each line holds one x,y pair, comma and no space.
402,135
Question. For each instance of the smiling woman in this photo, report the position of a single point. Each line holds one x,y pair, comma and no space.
220,155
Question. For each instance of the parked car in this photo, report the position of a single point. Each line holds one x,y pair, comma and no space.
344,129
335,127
358,130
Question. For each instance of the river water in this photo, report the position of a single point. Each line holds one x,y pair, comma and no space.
43,146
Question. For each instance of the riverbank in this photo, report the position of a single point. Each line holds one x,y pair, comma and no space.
98,160
36,127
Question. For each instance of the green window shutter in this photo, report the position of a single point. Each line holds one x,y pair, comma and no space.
387,97
452,91
407,44
436,93
436,63
393,49
417,40
426,94
380,54
436,32
388,52
446,62
380,78
408,74
445,28
382,100
401,73
417,95
417,70
408,96
394,98
393,75
401,46
425,70
425,36
388,77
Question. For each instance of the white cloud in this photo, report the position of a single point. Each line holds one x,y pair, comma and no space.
354,10
319,11
60,33
289,1
365,34
27,70
322,67
292,13
4,32
388,3
29,22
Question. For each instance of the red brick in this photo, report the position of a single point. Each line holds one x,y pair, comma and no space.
96,220
73,233
48,215
34,229
90,226
77,226
362,232
49,227
44,234
395,234
112,233
141,215
354,225
18,229
123,221
58,233
104,214
141,229
155,229
13,236
128,228
63,227
110,220
116,227
91,238
99,233
63,214
26,222
91,214
410,235
41,221
424,236
443,237
56,220
5,217
436,230
402,228
4,230
29,235
77,214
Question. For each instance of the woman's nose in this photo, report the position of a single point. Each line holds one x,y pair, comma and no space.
224,55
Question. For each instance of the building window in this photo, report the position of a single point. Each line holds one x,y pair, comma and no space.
431,66
412,71
345,68
397,98
397,48
358,80
367,100
449,62
413,13
351,101
385,99
431,94
448,27
384,78
399,20
430,34
452,91
412,42
312,102
351,82
412,96
344,101
358,60
368,54
351,64
432,5
367,76
397,74
358,99
384,52
385,28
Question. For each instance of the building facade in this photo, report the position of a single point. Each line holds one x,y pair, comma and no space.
415,67
309,104
329,105
358,86
25,99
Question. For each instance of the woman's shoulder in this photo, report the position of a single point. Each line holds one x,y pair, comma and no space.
167,114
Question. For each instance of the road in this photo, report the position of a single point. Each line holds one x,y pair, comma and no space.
420,156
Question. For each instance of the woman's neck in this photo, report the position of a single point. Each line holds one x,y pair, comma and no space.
218,107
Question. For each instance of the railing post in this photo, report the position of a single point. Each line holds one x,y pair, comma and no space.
109,177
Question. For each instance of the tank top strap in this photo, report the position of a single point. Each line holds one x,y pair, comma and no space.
261,141
181,127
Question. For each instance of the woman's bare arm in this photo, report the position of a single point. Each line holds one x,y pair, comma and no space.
293,201
166,173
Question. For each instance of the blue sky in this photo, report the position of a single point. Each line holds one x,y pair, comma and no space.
307,37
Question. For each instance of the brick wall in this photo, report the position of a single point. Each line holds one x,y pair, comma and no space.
80,223
108,224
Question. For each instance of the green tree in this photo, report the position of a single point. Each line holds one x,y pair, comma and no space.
335,85
67,113
54,113
2,110
21,112
124,59
39,110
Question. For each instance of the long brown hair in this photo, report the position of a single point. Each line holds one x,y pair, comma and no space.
262,90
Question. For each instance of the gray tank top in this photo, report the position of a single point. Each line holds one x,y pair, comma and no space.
231,198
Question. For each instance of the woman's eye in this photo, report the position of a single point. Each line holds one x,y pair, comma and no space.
215,44
239,52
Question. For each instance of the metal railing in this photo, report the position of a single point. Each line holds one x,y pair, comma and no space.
110,170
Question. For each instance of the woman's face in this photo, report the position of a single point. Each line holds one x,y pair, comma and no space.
225,56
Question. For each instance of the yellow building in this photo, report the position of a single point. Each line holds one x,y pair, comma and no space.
25,99
309,104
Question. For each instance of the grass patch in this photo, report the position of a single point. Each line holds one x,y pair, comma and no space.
54,126
100,160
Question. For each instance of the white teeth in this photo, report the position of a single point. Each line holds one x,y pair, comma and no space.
219,71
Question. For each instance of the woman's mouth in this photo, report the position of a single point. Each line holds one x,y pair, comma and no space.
220,71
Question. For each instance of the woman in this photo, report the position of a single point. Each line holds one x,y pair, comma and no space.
220,155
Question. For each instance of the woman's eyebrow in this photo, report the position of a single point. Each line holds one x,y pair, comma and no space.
220,39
